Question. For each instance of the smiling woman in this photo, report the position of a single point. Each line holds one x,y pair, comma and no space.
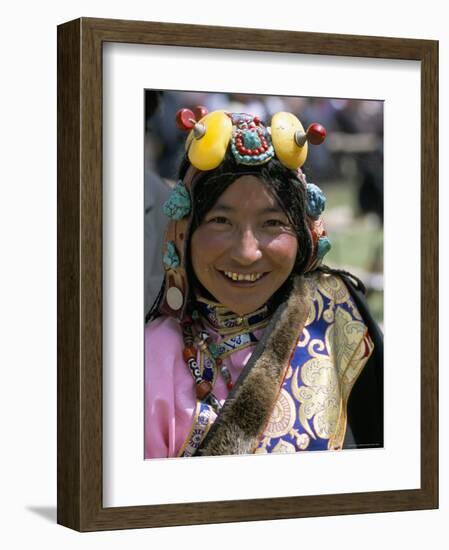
245,248
253,346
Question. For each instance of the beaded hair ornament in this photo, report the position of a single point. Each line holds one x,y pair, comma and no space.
251,143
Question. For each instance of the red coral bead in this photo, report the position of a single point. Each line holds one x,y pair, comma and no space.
183,121
230,385
316,134
200,112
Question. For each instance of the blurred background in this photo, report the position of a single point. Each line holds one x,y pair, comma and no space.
348,167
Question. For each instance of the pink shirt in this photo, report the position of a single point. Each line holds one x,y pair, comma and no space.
169,387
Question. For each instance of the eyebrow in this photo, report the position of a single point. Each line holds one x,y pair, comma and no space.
227,208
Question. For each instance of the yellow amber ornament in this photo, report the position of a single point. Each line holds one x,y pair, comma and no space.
283,129
208,152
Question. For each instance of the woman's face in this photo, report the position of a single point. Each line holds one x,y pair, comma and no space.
245,248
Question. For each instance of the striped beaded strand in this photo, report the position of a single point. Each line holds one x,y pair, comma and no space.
202,387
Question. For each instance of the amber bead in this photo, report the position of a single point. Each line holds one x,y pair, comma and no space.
203,389
188,353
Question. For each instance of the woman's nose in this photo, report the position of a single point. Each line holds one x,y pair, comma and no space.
246,249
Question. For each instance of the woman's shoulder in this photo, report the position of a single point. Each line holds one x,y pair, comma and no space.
339,288
332,284
163,328
163,343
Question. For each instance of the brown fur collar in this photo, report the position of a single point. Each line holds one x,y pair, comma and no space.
249,405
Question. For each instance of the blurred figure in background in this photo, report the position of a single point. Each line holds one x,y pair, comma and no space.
360,124
156,192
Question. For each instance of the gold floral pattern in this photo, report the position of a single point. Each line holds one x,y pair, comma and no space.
318,396
343,338
283,416
284,447
333,288
333,349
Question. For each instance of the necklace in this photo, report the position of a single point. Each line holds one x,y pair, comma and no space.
203,387
226,322
236,332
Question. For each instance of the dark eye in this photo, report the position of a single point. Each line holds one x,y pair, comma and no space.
275,223
219,220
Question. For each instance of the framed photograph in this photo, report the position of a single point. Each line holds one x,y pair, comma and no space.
127,457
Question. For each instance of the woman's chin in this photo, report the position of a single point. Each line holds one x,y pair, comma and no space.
242,308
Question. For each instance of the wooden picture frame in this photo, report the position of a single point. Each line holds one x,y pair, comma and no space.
80,350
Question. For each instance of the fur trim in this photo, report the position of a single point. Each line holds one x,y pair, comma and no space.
249,405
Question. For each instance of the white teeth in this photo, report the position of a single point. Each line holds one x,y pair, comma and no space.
243,276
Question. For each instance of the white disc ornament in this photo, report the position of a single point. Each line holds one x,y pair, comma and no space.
175,299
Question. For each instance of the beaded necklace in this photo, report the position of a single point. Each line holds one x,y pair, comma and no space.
237,332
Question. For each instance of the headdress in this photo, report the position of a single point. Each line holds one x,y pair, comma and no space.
251,143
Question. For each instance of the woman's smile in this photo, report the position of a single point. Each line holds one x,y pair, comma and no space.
242,279
245,248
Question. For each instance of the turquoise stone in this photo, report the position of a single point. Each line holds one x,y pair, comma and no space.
214,350
252,159
324,245
178,204
171,258
251,140
316,201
